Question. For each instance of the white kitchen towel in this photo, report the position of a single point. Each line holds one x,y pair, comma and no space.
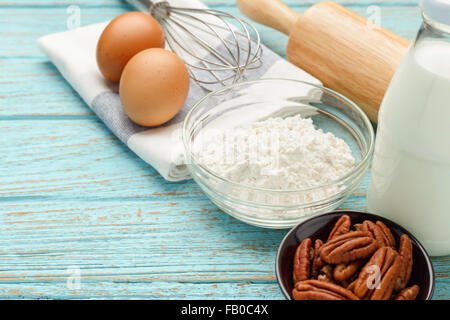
73,53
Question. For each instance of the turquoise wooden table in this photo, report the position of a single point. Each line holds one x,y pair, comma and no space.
74,201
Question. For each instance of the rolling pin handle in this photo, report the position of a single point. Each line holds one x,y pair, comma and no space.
271,13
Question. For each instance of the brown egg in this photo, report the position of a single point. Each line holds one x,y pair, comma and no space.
154,86
122,38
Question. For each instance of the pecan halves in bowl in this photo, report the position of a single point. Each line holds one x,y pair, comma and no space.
341,227
379,231
302,260
351,246
408,293
405,252
377,278
321,290
358,262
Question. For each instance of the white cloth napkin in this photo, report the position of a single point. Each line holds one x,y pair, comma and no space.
73,53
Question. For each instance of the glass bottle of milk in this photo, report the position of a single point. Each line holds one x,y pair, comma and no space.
410,181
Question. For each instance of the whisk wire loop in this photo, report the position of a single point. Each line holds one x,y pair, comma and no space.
217,47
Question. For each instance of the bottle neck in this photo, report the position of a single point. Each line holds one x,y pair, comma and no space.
431,30
434,26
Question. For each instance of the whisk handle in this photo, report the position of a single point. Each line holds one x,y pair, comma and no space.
141,5
272,13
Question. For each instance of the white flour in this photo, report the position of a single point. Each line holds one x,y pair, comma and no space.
278,154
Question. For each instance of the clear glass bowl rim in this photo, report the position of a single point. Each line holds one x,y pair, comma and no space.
355,170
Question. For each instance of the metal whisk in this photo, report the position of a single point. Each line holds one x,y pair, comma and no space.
216,46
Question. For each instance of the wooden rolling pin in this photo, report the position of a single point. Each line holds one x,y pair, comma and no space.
345,51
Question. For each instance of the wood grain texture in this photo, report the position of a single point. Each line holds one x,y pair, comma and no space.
272,13
364,57
72,195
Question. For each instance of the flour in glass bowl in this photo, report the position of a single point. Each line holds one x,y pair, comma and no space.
280,154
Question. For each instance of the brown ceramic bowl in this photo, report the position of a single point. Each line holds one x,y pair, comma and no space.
320,226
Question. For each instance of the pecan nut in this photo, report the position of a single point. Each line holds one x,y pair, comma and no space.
384,292
377,278
321,290
387,234
405,252
408,293
342,226
317,263
345,271
379,231
302,260
351,246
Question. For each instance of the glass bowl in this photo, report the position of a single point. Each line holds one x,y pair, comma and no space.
252,101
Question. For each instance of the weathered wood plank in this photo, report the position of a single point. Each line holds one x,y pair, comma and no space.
79,159
58,158
132,242
131,250
20,28
76,219
71,194
35,87
48,223
145,290
30,85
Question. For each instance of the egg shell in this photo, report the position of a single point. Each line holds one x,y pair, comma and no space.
122,38
153,87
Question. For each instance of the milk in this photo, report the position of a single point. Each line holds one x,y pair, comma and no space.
411,166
